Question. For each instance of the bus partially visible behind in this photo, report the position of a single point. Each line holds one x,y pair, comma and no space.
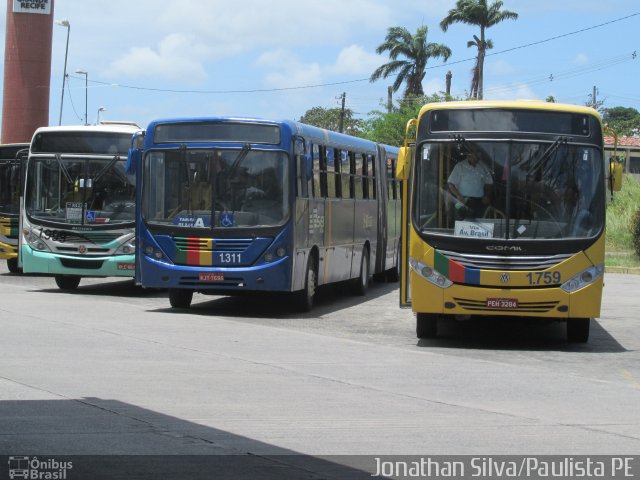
536,249
230,206
12,162
79,204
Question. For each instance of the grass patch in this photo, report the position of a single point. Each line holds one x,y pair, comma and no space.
619,239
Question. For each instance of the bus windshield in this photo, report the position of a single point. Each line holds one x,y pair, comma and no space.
80,190
522,190
10,186
235,187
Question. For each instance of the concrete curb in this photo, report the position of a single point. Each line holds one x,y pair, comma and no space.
629,270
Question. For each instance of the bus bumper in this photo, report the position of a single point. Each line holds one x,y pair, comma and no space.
539,302
34,261
268,277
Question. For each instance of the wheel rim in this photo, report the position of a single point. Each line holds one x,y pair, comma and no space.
311,283
365,269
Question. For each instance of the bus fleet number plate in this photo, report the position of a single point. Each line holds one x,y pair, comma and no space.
502,302
211,277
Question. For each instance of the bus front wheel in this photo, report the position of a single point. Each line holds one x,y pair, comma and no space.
305,297
12,265
180,297
426,325
67,282
578,329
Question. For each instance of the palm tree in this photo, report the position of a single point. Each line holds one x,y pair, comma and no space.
409,55
477,12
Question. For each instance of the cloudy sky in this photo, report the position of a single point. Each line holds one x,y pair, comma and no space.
149,59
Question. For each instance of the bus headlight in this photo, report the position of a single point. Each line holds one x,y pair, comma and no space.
583,278
33,239
154,253
128,248
429,274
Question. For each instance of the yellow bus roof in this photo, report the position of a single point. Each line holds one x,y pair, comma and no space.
520,104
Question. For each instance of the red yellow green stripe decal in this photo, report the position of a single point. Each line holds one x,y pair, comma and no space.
194,251
454,271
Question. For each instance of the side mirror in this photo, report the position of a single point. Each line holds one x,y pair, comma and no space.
404,163
133,158
615,170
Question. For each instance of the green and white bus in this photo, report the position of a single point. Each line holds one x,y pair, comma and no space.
79,204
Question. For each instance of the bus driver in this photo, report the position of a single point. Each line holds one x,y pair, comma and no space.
471,183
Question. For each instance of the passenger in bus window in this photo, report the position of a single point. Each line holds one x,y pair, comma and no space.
471,183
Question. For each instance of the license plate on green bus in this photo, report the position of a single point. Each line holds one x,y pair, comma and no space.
500,303
211,277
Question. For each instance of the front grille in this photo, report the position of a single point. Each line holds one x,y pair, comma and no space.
502,263
96,238
213,245
523,307
89,251
81,263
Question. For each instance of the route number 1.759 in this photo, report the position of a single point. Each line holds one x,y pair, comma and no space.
544,278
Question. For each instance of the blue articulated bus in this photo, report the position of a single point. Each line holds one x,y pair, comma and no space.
233,205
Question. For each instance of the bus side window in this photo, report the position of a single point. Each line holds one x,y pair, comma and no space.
335,186
357,177
323,171
352,172
391,168
316,191
372,176
345,174
365,175
330,173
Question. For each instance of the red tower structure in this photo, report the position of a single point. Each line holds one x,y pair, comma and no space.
27,69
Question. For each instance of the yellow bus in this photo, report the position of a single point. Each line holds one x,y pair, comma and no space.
504,213
13,158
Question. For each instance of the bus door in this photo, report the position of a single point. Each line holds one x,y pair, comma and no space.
403,169
382,200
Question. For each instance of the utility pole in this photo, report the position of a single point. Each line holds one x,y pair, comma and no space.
389,99
594,101
448,81
341,124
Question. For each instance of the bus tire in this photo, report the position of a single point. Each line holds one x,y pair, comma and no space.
361,284
12,265
67,282
578,330
426,325
180,297
304,298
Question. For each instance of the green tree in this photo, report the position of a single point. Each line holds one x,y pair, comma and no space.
389,127
478,13
409,55
623,120
329,118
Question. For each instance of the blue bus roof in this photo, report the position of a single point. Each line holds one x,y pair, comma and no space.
315,134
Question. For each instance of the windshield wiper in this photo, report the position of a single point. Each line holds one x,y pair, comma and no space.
63,169
106,168
241,156
548,152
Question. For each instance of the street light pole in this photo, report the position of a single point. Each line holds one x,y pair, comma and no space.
101,109
86,94
64,23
